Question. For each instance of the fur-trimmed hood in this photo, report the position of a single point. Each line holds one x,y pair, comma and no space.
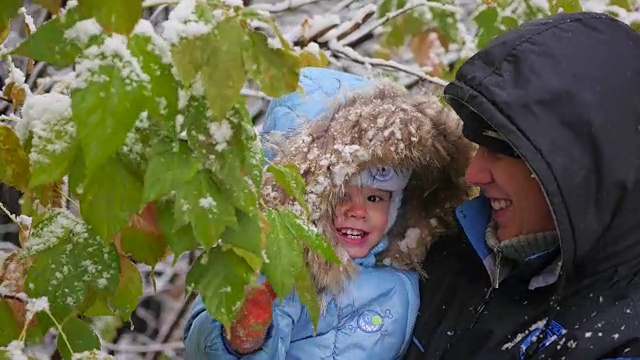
343,124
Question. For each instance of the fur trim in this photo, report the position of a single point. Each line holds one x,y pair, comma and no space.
383,125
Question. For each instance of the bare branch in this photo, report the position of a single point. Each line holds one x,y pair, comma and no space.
352,55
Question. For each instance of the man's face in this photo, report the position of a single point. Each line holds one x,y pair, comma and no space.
518,202
360,219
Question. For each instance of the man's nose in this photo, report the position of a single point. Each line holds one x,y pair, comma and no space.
479,171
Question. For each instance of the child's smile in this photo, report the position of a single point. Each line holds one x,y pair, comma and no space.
361,218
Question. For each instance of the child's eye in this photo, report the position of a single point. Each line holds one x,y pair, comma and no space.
374,198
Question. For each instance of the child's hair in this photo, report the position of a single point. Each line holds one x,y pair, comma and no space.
388,179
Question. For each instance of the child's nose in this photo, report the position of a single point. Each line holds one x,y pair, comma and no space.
356,209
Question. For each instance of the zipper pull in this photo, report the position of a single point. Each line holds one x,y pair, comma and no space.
496,280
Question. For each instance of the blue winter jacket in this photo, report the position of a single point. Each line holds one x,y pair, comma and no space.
373,316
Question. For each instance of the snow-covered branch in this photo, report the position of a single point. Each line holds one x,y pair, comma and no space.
282,6
354,56
370,27
145,348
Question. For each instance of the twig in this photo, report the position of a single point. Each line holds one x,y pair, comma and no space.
283,6
36,72
144,348
255,93
11,216
379,22
151,3
341,6
22,297
352,55
157,13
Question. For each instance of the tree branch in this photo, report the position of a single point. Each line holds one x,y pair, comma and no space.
355,36
283,6
144,348
352,55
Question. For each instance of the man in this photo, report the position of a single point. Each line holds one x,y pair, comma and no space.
550,263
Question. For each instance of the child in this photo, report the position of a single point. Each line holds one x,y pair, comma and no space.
383,172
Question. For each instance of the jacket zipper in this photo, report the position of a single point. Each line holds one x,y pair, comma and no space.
488,295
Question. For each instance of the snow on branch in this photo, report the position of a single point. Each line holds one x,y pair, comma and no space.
354,56
355,36
145,348
283,5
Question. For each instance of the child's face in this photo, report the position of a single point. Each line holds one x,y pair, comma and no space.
360,219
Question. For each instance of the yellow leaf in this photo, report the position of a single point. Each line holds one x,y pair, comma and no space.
4,34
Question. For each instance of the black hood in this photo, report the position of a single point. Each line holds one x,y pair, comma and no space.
565,93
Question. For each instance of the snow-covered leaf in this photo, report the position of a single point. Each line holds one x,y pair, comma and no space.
288,177
67,260
60,40
118,16
52,137
168,170
80,335
276,70
220,278
114,190
283,255
154,56
309,236
110,93
14,163
202,203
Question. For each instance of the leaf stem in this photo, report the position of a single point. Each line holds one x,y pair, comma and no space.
62,334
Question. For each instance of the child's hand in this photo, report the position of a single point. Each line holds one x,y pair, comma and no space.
248,331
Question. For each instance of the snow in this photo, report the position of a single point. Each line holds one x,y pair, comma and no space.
221,132
207,202
49,234
521,335
183,23
133,145
28,20
48,117
158,45
410,240
15,350
35,306
113,52
359,16
83,31
233,2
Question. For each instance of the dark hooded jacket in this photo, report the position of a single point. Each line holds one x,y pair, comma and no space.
565,93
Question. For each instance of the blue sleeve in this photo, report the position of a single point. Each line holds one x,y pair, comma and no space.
204,338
